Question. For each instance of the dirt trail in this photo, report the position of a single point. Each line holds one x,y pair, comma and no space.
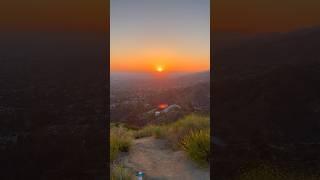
159,162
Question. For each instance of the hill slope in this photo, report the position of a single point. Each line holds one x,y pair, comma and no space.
267,103
270,86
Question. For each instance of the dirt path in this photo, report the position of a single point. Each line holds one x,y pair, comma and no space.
159,162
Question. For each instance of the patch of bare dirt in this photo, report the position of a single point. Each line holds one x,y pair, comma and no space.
158,161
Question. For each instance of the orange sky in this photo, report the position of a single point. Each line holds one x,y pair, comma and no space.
148,60
169,34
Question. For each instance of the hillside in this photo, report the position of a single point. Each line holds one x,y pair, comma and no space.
266,96
50,103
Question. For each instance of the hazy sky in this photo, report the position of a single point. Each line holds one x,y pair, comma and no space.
173,34
254,16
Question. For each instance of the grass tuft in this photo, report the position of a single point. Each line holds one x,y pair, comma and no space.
197,146
183,127
120,141
150,130
118,172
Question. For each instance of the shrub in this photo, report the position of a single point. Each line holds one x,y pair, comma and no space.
181,128
114,151
159,131
120,141
144,132
118,172
197,146
150,130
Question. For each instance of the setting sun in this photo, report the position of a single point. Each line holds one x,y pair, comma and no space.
160,69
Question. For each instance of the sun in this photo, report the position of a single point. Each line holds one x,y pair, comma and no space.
160,69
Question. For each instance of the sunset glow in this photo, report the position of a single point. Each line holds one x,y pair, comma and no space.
160,69
144,39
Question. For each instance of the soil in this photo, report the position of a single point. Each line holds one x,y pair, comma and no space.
158,161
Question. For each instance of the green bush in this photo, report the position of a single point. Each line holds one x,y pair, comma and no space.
150,130
144,132
114,151
197,146
118,172
120,141
159,131
183,127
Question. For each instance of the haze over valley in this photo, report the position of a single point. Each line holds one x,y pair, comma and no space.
136,94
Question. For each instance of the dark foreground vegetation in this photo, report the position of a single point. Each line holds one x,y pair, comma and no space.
266,107
51,107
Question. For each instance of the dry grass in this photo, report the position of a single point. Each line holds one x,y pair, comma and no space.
120,141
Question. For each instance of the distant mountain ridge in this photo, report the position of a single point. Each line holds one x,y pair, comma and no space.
145,80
